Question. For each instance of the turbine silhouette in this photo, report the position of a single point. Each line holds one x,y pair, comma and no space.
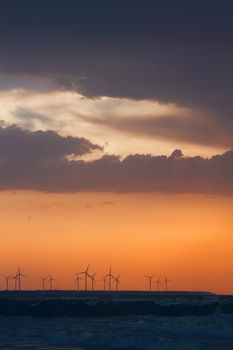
43,279
166,281
109,276
117,280
104,282
158,283
51,280
18,277
77,279
7,277
15,278
92,277
86,275
149,281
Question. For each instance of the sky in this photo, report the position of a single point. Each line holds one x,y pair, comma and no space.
116,141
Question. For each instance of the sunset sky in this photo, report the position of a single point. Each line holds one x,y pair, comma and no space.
116,141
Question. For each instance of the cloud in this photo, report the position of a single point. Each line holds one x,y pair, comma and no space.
41,144
115,118
39,161
190,128
157,51
177,153
173,52
24,153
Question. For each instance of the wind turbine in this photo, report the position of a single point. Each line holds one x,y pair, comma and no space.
158,283
109,276
104,282
117,280
150,280
51,280
86,275
166,281
7,277
43,279
92,277
15,278
77,279
18,276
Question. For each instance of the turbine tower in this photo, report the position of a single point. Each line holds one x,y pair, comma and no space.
109,276
166,281
86,275
15,278
158,283
149,281
7,277
51,280
18,277
117,280
77,279
43,279
92,277
104,282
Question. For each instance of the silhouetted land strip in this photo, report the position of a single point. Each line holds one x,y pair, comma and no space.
100,304
37,294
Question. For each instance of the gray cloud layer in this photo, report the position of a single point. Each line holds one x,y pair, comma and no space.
38,160
171,51
184,129
27,157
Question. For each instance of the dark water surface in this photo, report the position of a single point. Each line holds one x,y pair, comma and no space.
119,321
134,332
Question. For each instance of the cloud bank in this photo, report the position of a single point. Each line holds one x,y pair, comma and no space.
175,51
168,51
39,161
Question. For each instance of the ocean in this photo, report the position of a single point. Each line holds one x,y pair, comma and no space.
198,328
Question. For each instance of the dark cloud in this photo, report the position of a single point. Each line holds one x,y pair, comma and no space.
172,51
177,153
23,154
38,160
179,51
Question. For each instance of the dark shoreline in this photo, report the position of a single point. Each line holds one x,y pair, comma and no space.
105,294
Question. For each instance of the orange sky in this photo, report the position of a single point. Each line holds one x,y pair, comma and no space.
188,237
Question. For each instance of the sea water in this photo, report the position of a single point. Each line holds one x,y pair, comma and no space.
213,332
